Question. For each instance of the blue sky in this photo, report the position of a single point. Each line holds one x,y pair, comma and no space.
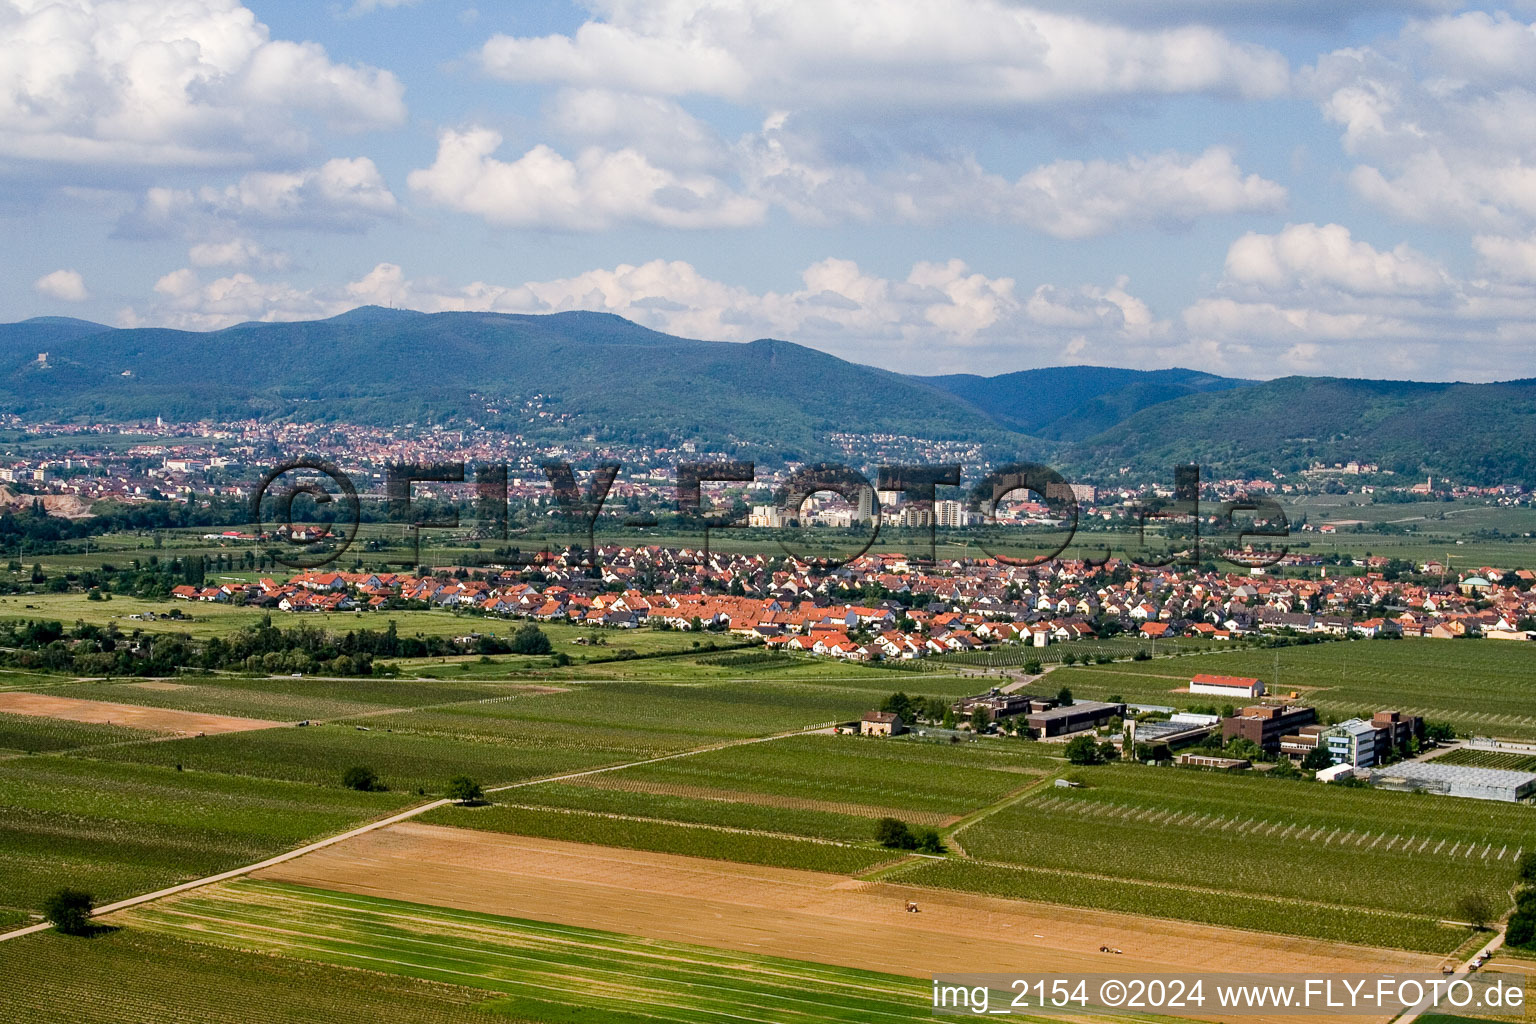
1244,186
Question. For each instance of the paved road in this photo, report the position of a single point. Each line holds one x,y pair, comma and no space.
1494,943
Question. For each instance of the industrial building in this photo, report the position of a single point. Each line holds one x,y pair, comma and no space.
1357,743
1264,725
996,704
1084,715
1456,780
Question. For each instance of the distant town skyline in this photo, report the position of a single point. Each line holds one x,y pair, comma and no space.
1247,187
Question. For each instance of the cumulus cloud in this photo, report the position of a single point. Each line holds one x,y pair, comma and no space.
1077,199
655,125
1064,199
339,195
64,285
599,189
774,167
1309,257
928,54
184,83
1442,119
237,252
1314,299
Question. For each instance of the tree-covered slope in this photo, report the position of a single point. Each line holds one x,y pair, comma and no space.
1071,403
1469,432
595,374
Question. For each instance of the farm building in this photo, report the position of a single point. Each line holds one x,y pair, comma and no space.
1456,780
1087,714
1235,687
881,723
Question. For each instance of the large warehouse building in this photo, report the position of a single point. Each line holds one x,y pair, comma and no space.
1456,780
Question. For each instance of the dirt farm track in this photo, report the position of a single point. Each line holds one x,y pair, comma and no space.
798,914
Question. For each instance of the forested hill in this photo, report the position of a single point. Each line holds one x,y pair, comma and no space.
590,374
1473,433
569,376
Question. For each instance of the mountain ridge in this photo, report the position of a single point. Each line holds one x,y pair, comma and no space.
596,375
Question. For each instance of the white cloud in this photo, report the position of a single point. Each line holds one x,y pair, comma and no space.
941,317
659,127
1076,199
1442,119
597,190
1064,199
927,54
157,83
237,252
362,7
1511,259
339,195
1309,257
64,285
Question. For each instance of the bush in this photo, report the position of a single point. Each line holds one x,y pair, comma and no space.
1527,866
928,841
70,911
464,789
363,779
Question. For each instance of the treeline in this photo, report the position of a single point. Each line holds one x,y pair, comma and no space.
91,650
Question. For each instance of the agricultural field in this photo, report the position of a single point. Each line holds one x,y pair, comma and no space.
711,842
528,970
136,976
495,732
783,803
1503,760
27,734
117,830
1481,687
415,753
286,699
899,775
1248,852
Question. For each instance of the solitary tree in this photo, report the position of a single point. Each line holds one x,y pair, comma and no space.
894,833
464,789
1475,908
362,778
70,911
530,640
1064,697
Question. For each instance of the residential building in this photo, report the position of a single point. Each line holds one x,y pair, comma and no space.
881,723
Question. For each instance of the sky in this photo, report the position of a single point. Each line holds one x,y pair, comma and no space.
1248,187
